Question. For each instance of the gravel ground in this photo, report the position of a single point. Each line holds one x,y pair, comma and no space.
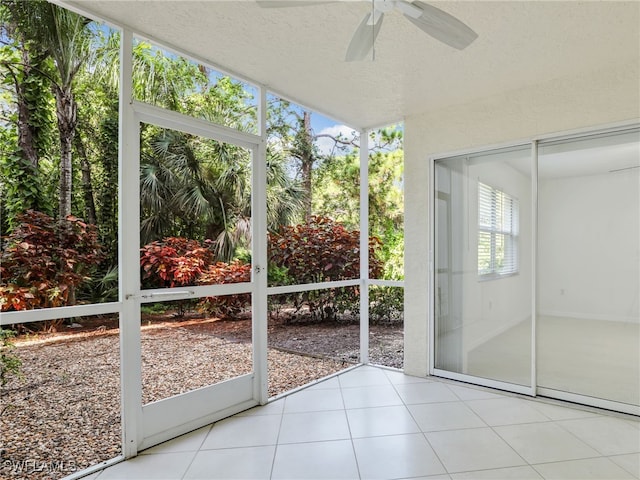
64,415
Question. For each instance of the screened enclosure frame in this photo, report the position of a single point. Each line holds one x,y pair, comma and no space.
131,296
533,389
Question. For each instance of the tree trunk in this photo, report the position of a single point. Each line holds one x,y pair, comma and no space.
66,111
26,135
306,162
87,185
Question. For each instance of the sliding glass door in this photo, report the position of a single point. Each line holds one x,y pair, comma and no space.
588,311
548,231
483,265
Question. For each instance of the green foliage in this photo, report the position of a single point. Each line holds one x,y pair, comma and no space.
278,275
162,79
337,189
227,103
174,262
391,254
10,364
195,187
386,305
36,90
337,194
101,288
27,131
154,308
285,195
62,38
199,188
19,188
44,261
317,251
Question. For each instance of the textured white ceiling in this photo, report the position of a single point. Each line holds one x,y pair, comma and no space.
298,52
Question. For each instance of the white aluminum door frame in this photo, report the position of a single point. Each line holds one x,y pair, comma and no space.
153,423
530,389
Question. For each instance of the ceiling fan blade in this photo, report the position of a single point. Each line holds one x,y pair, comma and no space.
363,39
291,3
442,26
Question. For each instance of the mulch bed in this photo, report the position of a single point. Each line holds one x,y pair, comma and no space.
64,414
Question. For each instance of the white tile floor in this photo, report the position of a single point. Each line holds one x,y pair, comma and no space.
372,423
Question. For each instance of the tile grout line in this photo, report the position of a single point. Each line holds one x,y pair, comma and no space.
424,435
353,447
275,450
532,465
602,454
198,449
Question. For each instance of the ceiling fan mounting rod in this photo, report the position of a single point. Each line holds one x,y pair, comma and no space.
385,6
380,7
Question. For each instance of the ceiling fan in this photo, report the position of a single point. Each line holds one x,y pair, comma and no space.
431,20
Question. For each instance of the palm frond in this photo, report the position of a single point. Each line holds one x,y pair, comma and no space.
191,202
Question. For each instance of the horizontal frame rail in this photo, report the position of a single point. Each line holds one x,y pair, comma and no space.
184,293
158,295
386,283
195,126
312,286
41,314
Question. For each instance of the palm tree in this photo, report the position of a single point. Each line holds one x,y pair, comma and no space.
286,197
189,186
158,79
200,188
64,37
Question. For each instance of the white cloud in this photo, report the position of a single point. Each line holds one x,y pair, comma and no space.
325,144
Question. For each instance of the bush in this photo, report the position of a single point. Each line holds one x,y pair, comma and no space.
153,308
392,254
174,261
386,305
10,364
221,273
44,261
322,251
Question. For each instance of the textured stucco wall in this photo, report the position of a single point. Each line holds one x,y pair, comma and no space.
588,100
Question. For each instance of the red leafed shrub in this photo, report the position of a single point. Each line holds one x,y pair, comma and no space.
321,251
44,261
220,273
174,261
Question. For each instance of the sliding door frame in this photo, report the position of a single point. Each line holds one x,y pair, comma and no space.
532,390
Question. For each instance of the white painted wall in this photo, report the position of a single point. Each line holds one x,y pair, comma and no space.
588,100
591,217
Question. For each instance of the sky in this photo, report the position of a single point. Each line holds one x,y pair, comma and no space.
324,125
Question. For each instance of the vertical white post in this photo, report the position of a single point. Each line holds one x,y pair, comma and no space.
129,255
364,246
431,277
259,255
534,264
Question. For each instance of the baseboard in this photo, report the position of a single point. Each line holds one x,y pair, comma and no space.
590,316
